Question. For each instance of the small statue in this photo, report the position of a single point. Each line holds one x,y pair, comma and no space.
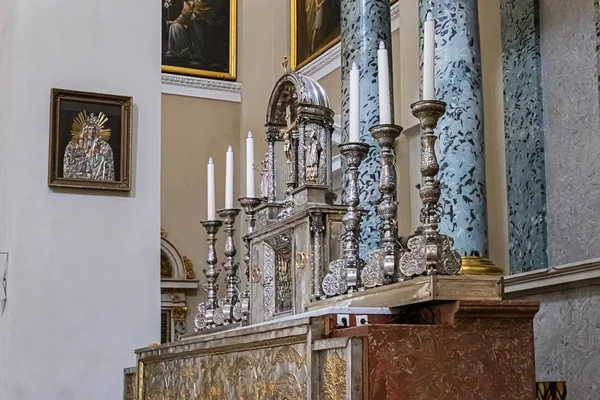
264,179
287,134
313,156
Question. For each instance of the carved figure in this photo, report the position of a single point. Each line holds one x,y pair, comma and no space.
313,155
264,179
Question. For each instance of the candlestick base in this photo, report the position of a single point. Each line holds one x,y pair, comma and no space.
210,312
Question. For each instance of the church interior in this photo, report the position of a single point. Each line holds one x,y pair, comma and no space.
349,199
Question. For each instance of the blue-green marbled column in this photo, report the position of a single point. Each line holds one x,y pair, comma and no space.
523,129
460,147
365,23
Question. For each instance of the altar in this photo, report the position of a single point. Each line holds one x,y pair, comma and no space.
329,302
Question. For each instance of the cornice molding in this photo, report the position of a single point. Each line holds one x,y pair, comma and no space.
201,88
331,59
564,277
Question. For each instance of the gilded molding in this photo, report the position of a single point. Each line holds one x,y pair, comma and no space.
334,374
189,268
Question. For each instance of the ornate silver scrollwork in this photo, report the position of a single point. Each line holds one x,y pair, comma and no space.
344,275
249,205
429,251
230,265
382,266
317,228
206,311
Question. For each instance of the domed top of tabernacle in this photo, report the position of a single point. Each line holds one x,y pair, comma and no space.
291,89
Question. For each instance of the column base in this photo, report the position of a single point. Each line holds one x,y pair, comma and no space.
479,266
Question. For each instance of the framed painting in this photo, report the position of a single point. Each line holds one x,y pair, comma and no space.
90,141
316,27
199,38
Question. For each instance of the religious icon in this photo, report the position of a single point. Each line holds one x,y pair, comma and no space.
90,140
88,155
313,155
316,27
199,38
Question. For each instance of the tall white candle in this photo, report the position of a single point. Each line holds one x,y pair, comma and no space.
383,73
429,57
210,190
229,179
250,166
354,103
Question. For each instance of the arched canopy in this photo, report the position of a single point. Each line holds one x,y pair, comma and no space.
294,89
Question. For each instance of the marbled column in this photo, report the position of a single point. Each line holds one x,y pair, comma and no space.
523,123
365,23
461,145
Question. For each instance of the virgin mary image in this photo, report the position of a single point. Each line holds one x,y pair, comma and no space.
88,155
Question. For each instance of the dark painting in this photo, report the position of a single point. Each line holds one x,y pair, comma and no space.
316,27
198,37
90,140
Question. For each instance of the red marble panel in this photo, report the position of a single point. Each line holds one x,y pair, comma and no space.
468,351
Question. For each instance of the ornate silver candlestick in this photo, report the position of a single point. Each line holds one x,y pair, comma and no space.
231,309
249,205
209,313
429,251
344,273
383,261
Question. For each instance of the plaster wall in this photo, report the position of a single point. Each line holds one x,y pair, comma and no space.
571,120
193,130
567,340
82,278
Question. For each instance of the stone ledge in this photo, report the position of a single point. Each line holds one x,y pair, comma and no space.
202,88
563,277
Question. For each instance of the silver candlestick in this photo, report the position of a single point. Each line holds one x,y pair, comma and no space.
344,273
382,265
232,311
429,251
249,205
209,313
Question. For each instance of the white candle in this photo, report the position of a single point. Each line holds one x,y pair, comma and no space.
429,57
354,103
210,192
229,179
250,166
383,72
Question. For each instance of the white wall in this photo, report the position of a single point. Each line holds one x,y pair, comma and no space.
83,282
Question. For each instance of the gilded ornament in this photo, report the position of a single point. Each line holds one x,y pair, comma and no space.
163,233
179,313
334,382
189,268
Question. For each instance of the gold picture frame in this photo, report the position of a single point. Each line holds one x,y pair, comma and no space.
295,61
90,140
231,74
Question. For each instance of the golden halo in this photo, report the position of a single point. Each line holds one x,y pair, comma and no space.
83,118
